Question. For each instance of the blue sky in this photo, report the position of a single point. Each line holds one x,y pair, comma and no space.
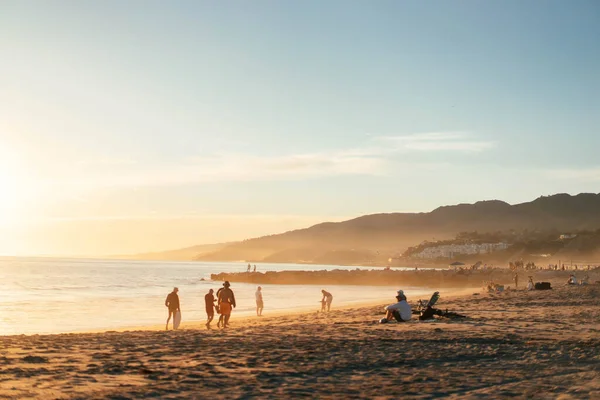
287,111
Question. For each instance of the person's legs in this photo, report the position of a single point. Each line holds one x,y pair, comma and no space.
226,324
168,319
261,308
328,305
397,317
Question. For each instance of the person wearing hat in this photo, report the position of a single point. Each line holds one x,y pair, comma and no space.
172,303
226,302
259,302
399,311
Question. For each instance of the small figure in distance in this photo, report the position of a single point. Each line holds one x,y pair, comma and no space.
259,302
172,303
209,302
248,270
530,284
326,300
226,303
399,311
254,268
516,279
572,280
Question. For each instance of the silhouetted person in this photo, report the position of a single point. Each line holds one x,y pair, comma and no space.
226,303
248,270
516,279
259,301
254,268
218,307
530,284
172,303
209,302
326,300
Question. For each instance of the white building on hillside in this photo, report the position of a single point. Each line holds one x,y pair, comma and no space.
452,250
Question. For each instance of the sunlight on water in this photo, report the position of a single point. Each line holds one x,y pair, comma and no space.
64,295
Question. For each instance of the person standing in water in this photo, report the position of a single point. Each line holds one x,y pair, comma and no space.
326,300
226,303
259,302
209,301
172,303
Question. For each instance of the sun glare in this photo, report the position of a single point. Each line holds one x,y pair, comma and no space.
10,189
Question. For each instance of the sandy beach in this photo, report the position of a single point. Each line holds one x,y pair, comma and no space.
538,344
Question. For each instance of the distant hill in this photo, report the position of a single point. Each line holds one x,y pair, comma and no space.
374,238
184,254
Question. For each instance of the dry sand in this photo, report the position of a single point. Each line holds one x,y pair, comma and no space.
540,344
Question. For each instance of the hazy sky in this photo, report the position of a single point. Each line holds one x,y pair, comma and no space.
141,125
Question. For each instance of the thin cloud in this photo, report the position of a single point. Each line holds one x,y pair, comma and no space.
438,141
376,158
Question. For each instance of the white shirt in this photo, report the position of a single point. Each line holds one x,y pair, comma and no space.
258,295
403,308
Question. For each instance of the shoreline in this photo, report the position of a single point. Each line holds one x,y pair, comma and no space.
527,344
243,320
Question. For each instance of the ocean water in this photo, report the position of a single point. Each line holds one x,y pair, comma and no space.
52,295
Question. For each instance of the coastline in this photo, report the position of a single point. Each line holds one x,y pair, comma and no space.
268,316
528,344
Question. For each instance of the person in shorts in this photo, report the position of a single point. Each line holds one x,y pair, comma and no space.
399,311
226,303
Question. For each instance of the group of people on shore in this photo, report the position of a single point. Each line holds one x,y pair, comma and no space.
223,304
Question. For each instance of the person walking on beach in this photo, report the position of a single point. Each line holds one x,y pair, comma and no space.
218,308
259,302
172,303
516,279
326,300
209,302
248,270
254,268
226,303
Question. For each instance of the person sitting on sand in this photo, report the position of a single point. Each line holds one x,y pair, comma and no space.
399,311
259,302
172,303
572,280
209,302
530,284
326,300
226,303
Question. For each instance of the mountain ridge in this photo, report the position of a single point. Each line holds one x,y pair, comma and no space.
387,234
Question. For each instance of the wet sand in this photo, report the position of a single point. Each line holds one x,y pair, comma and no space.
539,344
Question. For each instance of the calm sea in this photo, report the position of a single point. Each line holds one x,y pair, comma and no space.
51,295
